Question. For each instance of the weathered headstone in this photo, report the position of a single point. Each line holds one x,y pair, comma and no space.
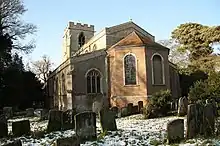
68,120
107,120
70,141
85,126
130,106
55,120
183,103
8,112
140,106
135,109
42,113
199,119
14,143
30,112
20,128
175,131
124,111
191,128
97,106
114,109
209,120
3,126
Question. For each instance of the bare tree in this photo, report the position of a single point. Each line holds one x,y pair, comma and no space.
42,67
12,24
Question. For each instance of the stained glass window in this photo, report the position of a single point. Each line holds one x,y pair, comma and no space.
130,69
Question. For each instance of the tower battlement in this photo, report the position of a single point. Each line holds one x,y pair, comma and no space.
80,26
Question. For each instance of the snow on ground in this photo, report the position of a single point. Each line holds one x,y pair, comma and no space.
132,130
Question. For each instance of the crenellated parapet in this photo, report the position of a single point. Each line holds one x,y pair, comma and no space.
80,26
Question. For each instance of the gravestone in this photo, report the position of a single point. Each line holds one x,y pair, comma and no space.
68,120
85,126
107,120
209,120
70,141
140,106
20,128
175,131
3,126
191,128
97,106
55,121
30,112
42,113
114,109
199,119
124,111
135,109
14,143
130,106
182,109
8,112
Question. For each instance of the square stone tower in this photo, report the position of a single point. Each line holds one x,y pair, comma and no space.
75,36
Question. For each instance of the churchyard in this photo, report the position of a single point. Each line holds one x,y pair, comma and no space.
184,125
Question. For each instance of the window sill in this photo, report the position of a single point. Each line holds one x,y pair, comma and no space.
131,85
159,84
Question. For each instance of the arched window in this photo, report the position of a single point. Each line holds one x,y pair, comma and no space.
94,47
63,84
81,39
93,81
157,69
130,69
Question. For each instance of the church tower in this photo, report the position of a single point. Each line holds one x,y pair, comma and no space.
75,36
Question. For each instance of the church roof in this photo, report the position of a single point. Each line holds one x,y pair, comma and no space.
135,38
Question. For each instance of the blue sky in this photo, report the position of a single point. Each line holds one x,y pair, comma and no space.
158,17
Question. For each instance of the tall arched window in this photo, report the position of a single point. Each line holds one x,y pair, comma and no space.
81,39
63,84
157,69
93,81
130,69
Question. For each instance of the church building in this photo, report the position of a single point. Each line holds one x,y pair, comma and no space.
119,65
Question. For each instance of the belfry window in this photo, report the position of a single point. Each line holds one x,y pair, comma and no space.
130,69
93,80
81,39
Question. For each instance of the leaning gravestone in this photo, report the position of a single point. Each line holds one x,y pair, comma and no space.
130,106
55,121
30,112
182,109
209,120
3,126
114,109
8,112
20,128
70,141
124,111
14,143
85,126
140,106
107,120
68,119
175,131
191,128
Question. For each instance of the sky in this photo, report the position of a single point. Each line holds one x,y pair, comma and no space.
158,17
